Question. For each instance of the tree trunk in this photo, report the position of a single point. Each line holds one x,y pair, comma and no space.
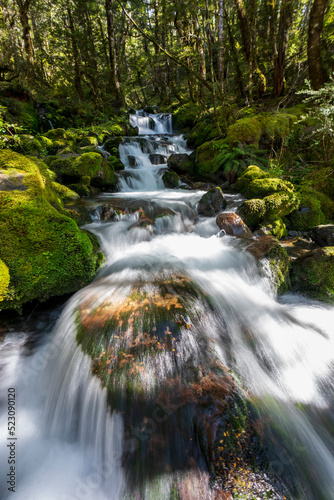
281,46
220,44
77,77
24,18
238,74
115,81
316,69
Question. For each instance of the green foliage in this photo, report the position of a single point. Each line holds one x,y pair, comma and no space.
237,159
4,280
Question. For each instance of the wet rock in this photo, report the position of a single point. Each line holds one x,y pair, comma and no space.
157,159
212,202
181,164
132,161
233,225
170,179
202,186
12,182
267,247
297,246
323,235
313,274
111,145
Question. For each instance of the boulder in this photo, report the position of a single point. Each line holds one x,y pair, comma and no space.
181,164
233,225
309,212
313,274
111,144
268,248
323,235
157,159
212,202
44,250
260,188
252,173
4,280
170,179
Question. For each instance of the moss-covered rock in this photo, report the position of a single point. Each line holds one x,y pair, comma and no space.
206,164
4,279
64,192
71,170
181,163
212,202
111,145
115,162
252,212
89,141
313,274
185,117
309,213
280,265
259,188
170,179
57,134
44,250
202,132
265,130
252,173
276,228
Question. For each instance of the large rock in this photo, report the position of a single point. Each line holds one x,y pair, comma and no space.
212,202
233,225
309,212
111,145
323,235
72,170
313,274
157,159
268,248
44,250
251,173
170,179
181,164
4,279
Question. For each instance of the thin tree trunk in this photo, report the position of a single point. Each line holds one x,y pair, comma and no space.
220,44
116,84
316,68
24,18
281,46
238,77
77,77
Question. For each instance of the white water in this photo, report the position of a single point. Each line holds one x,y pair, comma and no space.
282,353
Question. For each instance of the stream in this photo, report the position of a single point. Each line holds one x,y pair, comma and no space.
77,440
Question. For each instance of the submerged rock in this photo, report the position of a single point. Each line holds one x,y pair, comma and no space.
233,225
212,202
170,179
313,274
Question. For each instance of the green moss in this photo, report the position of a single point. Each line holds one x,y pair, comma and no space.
313,274
115,163
280,204
276,228
57,134
89,141
252,212
202,132
170,179
44,250
280,265
252,173
185,117
322,179
64,192
264,128
259,188
81,189
4,279
205,158
309,213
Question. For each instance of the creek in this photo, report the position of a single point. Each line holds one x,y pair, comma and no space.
77,440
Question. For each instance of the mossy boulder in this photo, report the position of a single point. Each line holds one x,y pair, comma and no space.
57,134
181,163
309,212
170,179
206,164
89,141
313,274
261,187
4,280
115,162
251,173
202,132
64,192
212,202
71,170
323,235
265,130
276,228
185,117
44,250
111,145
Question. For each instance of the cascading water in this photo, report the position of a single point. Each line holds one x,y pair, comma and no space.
70,446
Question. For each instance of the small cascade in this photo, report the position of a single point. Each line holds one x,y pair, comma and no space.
145,157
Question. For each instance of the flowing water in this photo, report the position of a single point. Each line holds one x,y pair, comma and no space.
71,446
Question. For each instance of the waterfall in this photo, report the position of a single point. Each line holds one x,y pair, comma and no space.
75,443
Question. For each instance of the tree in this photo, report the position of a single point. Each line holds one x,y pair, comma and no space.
317,72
